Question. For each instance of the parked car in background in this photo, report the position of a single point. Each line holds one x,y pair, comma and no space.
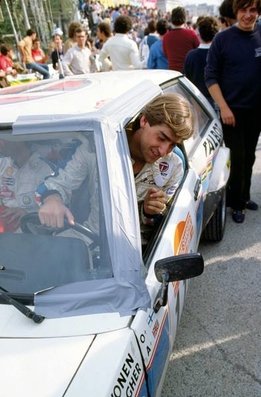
99,319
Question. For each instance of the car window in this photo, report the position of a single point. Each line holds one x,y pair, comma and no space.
149,233
201,117
37,257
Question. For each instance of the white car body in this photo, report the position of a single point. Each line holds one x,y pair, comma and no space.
112,353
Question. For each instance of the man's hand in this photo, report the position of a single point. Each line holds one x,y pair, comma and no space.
227,116
154,202
53,212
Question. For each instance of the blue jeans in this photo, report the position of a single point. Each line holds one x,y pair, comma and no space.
40,68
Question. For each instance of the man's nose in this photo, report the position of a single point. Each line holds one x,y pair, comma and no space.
165,149
248,13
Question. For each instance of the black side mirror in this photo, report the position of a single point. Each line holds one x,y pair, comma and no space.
180,267
176,268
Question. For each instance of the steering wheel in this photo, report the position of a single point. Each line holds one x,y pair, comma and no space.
30,223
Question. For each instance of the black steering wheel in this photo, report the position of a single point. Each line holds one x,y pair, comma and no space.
30,223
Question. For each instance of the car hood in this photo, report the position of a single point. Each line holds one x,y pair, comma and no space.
15,325
42,359
40,366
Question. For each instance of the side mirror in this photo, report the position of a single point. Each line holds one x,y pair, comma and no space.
180,267
176,268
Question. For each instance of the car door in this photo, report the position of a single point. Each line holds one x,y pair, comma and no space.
156,328
180,233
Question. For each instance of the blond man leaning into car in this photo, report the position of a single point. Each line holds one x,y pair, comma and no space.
164,122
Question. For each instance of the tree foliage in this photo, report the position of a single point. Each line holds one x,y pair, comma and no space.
55,13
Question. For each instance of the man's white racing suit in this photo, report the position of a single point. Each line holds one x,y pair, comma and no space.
17,185
165,174
81,168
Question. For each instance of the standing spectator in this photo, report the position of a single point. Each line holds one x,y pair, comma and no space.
227,14
114,15
233,73
77,58
143,47
37,52
178,41
122,50
96,16
196,59
71,41
157,58
150,36
103,34
57,53
25,47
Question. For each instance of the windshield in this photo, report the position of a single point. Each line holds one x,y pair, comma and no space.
35,256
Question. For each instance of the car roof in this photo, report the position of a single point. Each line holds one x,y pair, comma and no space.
78,94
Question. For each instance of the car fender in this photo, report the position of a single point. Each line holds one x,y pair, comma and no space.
112,368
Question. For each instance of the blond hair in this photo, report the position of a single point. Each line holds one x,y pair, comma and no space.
172,110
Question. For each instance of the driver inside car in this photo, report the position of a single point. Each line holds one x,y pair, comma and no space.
164,122
21,171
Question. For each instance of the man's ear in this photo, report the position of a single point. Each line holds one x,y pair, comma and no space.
143,121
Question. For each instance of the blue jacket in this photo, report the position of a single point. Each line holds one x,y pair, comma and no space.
157,59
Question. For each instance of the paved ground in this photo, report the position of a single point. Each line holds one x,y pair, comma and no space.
218,346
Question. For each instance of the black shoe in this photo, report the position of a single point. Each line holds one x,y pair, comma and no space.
251,205
238,216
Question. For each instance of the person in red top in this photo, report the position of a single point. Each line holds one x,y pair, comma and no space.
6,62
37,52
178,41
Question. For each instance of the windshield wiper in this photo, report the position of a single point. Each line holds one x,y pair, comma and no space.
37,318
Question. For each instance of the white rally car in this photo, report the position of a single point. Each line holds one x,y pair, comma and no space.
97,319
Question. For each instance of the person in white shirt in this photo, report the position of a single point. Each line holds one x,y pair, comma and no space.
122,51
77,58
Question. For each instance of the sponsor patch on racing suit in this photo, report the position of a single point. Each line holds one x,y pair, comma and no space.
165,174
17,185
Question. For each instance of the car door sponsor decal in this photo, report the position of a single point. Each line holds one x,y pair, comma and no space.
156,331
155,342
213,140
183,235
129,378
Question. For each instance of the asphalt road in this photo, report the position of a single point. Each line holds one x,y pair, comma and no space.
218,346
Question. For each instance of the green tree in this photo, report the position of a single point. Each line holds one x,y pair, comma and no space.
43,16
